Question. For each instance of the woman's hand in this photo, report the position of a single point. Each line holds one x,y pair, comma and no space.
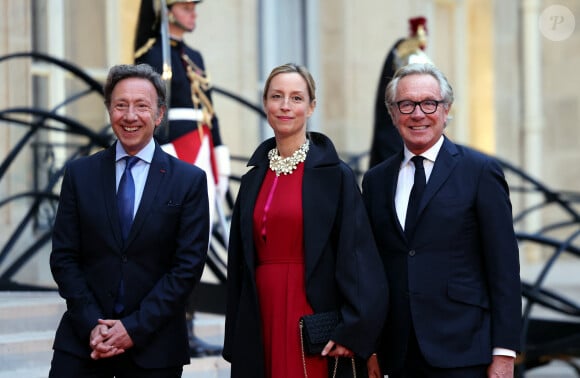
333,349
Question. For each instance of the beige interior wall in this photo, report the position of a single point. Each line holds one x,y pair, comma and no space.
129,13
561,104
336,76
481,75
507,58
355,40
227,37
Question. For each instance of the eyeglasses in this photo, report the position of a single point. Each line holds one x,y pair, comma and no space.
426,106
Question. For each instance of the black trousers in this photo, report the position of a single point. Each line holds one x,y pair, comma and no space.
65,365
417,367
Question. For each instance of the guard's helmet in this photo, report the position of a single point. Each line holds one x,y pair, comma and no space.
171,2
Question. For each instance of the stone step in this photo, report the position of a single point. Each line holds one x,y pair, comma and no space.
29,311
207,367
38,372
28,321
25,350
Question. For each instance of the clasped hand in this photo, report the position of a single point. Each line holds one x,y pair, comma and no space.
109,338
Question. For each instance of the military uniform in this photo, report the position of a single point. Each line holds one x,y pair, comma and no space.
193,132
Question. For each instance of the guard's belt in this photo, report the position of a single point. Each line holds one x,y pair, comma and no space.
185,114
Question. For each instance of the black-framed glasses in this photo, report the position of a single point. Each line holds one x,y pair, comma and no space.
426,106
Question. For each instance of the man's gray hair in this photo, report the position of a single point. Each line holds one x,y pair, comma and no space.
418,69
126,71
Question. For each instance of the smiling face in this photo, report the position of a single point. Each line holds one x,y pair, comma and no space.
419,131
134,113
288,105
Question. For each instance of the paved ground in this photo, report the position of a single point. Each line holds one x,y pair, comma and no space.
563,279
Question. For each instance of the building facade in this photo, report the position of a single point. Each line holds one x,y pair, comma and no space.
513,72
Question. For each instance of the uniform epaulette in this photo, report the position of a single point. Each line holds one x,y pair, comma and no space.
146,47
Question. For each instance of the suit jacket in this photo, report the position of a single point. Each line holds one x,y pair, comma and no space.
160,262
343,269
457,282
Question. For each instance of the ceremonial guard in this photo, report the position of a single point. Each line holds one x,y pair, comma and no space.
192,132
386,139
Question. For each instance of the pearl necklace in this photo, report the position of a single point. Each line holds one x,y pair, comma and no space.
287,165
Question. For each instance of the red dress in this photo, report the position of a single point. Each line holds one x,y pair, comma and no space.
279,240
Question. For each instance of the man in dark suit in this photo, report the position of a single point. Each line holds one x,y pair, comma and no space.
126,292
452,264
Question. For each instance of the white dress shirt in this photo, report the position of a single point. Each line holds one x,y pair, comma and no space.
407,176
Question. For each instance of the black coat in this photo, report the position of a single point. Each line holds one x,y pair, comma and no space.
343,268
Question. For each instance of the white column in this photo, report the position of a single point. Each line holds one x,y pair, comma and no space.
460,122
56,75
533,120
112,29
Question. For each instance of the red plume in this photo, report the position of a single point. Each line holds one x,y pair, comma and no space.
415,23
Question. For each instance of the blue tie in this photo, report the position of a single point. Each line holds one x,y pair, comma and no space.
126,196
126,205
415,197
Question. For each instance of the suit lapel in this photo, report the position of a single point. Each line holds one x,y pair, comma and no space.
253,180
444,165
108,167
157,172
392,175
320,192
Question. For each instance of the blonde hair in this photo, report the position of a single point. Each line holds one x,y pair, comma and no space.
292,68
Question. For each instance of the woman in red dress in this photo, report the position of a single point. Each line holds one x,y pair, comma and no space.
300,243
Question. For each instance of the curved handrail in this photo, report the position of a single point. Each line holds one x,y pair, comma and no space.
550,196
79,73
536,294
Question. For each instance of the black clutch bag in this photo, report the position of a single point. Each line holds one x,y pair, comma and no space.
316,330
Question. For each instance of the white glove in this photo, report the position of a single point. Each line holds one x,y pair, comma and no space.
224,168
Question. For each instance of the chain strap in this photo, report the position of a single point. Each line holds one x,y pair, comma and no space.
301,326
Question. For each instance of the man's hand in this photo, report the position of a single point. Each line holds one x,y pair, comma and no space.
109,338
501,367
373,367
